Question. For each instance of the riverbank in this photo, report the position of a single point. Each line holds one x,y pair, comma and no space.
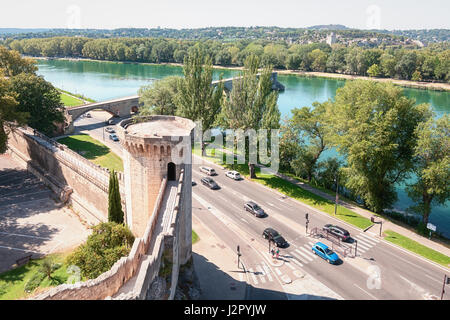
435,86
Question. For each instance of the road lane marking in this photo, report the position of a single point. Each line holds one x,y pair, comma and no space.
308,250
267,271
365,291
369,238
440,281
241,277
24,235
304,255
278,271
255,281
311,243
297,262
363,244
11,248
296,255
261,276
290,266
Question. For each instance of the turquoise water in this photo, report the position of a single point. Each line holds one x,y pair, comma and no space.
108,80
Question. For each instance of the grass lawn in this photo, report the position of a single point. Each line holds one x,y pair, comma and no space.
93,150
70,101
12,282
292,191
416,247
195,237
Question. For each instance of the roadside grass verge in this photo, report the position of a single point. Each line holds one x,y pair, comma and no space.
416,247
195,237
94,151
13,282
69,101
80,96
290,190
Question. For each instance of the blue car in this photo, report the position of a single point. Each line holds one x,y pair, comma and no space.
324,252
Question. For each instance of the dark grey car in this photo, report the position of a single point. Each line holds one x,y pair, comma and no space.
210,183
254,209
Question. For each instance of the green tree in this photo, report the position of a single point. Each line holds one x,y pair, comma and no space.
310,125
115,213
13,64
40,99
197,99
159,97
319,60
108,242
372,124
374,71
431,165
251,103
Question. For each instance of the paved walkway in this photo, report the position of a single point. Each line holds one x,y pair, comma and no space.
387,225
216,267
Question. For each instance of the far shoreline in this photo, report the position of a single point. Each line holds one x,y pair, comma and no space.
434,86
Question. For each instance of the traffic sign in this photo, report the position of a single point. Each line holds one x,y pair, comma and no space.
431,226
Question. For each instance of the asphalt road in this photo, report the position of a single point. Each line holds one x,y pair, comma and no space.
380,271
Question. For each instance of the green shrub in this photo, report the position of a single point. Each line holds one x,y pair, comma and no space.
34,281
104,247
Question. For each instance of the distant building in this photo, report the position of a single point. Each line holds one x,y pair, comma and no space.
331,39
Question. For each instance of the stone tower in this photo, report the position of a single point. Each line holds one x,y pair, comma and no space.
156,147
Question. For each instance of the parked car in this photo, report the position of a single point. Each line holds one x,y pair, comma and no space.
210,183
194,183
233,175
110,130
324,252
110,121
276,238
339,232
88,115
254,209
209,171
113,137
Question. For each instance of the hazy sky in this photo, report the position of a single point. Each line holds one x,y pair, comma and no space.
109,14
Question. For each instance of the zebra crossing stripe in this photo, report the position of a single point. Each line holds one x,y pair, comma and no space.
311,243
369,238
304,255
255,281
363,244
278,271
241,277
308,250
267,271
290,266
261,276
297,262
296,255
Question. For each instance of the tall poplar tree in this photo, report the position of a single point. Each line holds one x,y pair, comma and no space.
115,213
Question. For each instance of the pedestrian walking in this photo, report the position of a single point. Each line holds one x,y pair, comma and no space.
273,253
278,253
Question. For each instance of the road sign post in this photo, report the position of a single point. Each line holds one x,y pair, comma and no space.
446,281
356,247
239,255
307,222
431,227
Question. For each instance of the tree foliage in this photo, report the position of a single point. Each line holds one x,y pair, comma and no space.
115,212
372,125
160,97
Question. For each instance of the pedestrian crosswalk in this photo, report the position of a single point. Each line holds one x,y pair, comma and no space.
365,242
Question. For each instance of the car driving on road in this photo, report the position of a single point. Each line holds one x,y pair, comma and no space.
275,237
339,232
254,209
233,175
210,183
110,130
114,137
325,253
209,171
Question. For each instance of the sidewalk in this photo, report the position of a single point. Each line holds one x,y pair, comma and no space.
387,225
216,267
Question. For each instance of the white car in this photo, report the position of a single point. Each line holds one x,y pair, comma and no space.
233,175
209,171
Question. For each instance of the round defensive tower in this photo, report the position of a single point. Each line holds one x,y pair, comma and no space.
155,147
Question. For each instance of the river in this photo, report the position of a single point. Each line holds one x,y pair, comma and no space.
107,80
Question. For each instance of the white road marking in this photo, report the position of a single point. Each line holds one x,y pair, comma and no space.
363,244
369,238
255,281
308,250
290,266
311,243
244,220
365,291
261,276
11,248
278,271
241,277
296,255
297,262
304,255
24,235
267,271
440,281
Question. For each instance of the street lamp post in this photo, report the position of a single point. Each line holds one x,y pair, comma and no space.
337,193
356,247
446,281
307,222
270,237
239,255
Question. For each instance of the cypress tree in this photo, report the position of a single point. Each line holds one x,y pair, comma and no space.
115,213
